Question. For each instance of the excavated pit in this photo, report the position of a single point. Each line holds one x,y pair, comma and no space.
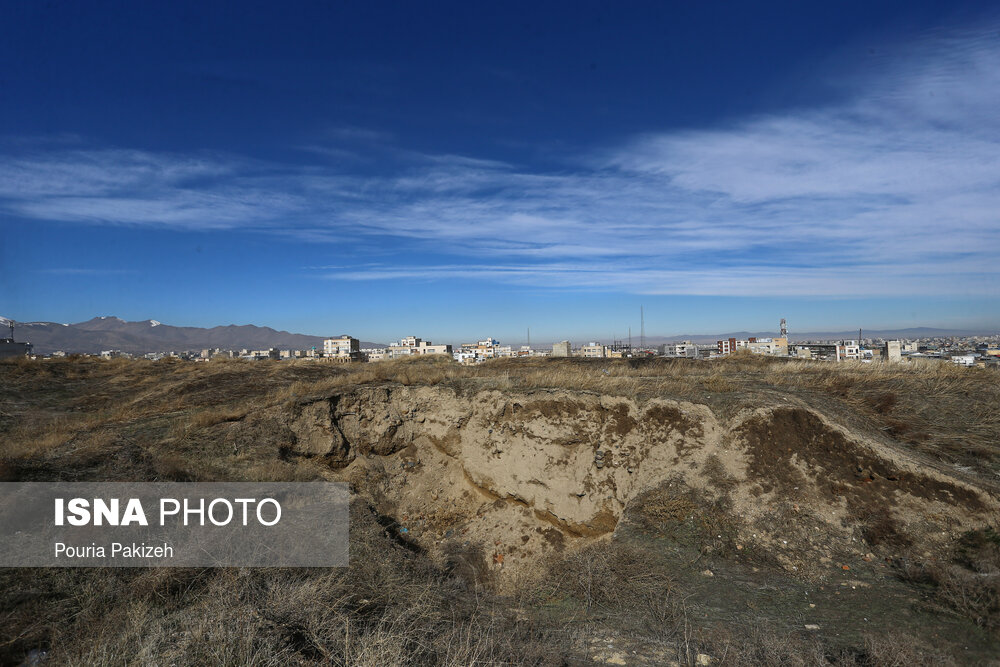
523,474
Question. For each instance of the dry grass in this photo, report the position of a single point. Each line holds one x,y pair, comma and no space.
937,409
389,607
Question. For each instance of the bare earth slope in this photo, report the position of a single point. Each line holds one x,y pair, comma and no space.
509,465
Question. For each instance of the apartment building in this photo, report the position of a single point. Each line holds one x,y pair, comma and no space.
848,350
730,345
343,348
777,346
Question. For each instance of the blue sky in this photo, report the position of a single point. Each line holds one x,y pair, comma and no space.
454,171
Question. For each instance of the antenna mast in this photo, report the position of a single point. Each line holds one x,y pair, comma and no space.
642,329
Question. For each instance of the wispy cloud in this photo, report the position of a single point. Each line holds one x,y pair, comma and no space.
894,190
77,271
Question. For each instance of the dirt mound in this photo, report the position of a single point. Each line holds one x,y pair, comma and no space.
513,470
791,447
813,492
501,467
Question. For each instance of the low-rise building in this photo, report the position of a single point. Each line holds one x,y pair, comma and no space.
10,348
488,348
465,357
593,351
562,349
412,345
685,349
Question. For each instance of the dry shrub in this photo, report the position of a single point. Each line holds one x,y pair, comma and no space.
468,562
970,584
881,528
298,470
622,583
173,468
718,384
884,403
661,508
893,649
758,645
213,416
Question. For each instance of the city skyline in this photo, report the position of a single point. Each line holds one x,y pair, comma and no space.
474,171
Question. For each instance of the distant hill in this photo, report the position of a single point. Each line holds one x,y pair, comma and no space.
704,339
887,334
112,333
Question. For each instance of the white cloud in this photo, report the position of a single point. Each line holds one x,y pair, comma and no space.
895,189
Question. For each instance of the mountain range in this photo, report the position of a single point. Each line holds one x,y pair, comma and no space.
112,333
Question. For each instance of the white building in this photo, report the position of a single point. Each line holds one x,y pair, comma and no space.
848,350
343,348
488,348
464,357
593,351
685,349
412,345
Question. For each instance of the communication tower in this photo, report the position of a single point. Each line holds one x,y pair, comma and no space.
642,329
